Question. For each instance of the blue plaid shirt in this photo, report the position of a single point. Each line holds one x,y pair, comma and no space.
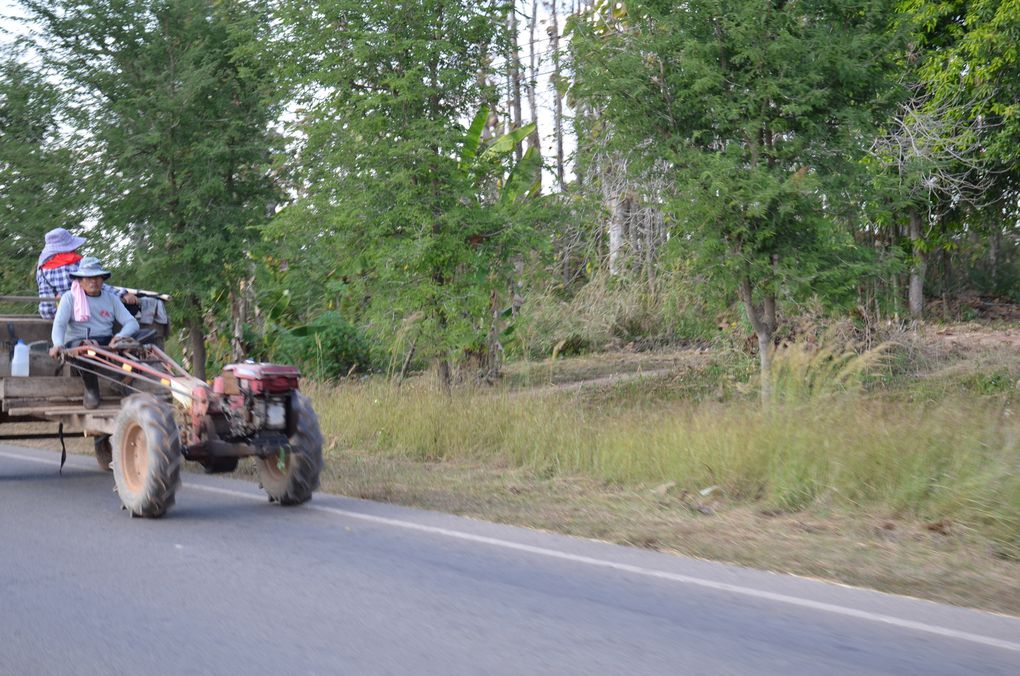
57,282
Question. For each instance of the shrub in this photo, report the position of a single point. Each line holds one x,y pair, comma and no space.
327,348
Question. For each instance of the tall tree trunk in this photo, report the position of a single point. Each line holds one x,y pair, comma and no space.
993,256
196,342
768,314
651,247
515,75
534,140
240,313
947,285
769,302
617,219
918,268
763,331
407,360
554,34
492,363
445,378
897,295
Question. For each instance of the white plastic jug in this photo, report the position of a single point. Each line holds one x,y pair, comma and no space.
19,365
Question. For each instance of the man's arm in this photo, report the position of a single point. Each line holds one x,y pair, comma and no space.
60,323
128,324
125,296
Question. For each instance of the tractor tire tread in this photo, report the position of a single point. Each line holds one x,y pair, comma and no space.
301,479
165,458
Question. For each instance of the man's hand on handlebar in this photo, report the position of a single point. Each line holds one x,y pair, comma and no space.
127,342
55,351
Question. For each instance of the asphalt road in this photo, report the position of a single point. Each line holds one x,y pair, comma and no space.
229,584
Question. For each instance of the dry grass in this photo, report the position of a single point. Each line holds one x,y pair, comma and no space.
605,365
958,459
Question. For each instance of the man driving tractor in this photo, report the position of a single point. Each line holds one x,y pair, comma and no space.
86,315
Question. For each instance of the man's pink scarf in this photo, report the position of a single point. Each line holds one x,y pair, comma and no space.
81,302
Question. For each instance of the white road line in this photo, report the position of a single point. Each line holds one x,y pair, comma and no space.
28,458
623,567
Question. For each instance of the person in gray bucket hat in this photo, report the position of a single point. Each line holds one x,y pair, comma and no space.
86,315
59,258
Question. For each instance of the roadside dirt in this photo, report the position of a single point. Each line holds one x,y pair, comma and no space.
975,336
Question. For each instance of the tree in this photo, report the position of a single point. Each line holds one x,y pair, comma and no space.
969,57
755,108
400,226
937,161
177,102
36,178
967,71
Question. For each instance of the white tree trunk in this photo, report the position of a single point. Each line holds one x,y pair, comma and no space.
616,233
515,76
534,140
554,34
915,293
765,365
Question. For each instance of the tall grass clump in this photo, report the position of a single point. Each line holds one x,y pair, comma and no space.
802,373
822,444
613,309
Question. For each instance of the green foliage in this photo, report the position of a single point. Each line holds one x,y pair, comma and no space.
177,102
963,67
402,209
38,190
328,348
974,48
760,112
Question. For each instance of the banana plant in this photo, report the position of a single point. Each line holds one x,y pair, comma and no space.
525,178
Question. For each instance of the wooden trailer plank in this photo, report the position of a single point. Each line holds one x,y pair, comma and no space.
7,404
27,328
49,409
76,419
39,387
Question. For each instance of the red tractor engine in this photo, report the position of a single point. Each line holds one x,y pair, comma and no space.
256,397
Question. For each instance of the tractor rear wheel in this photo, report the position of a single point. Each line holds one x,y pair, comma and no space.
104,452
146,456
291,479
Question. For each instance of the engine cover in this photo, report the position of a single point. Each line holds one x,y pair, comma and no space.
257,379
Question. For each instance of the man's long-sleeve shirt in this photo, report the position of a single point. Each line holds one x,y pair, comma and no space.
103,309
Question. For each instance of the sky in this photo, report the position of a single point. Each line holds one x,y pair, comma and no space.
7,26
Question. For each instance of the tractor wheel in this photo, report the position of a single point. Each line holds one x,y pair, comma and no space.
220,465
146,456
104,452
294,482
